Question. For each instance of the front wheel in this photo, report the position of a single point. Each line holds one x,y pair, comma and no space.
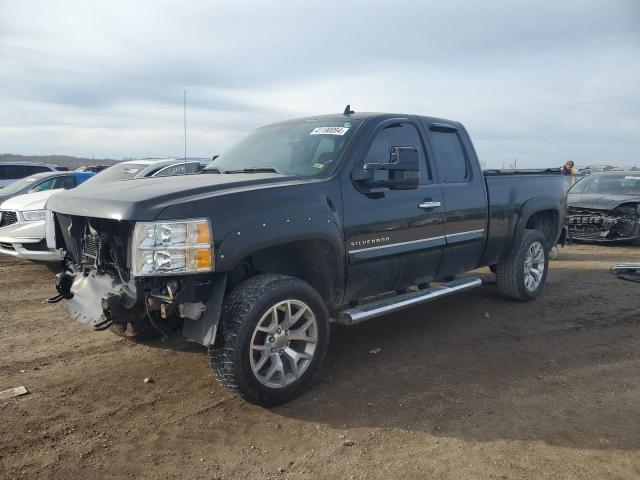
524,274
272,338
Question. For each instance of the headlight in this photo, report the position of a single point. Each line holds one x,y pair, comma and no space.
167,248
33,215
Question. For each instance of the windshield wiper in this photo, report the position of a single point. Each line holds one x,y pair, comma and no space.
254,170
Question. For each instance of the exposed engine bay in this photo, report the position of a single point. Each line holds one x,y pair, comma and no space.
97,287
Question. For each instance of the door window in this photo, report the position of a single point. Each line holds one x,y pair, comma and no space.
171,170
397,135
42,186
193,167
450,158
66,182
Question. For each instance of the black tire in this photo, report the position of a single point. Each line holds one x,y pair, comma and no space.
510,276
230,355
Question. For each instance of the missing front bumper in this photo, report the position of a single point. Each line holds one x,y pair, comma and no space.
99,300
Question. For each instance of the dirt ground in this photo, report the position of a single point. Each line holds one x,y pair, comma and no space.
473,386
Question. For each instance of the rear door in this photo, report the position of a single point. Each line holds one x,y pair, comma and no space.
463,190
393,237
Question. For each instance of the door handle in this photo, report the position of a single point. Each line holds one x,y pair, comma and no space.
429,204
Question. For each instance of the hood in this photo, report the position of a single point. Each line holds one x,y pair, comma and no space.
144,198
29,201
598,201
4,198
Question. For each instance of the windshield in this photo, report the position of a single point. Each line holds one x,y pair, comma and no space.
301,148
18,185
609,185
119,171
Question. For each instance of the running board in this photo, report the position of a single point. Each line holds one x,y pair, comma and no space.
382,307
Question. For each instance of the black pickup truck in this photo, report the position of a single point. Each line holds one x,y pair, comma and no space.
340,218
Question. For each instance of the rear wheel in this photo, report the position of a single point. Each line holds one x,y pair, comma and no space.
273,336
524,274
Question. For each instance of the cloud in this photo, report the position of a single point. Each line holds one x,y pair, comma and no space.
540,81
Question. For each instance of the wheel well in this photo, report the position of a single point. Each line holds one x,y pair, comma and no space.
545,222
313,261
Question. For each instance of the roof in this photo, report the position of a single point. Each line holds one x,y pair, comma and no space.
43,175
341,117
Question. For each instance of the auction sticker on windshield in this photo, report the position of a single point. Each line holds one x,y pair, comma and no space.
329,131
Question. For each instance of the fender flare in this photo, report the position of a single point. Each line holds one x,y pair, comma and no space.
204,330
530,208
279,230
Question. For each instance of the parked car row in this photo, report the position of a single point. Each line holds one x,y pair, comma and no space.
24,220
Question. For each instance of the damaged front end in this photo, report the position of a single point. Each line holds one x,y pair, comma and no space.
116,275
620,224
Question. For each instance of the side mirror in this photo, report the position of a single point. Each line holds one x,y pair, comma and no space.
401,173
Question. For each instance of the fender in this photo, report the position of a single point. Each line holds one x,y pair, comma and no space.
530,208
277,229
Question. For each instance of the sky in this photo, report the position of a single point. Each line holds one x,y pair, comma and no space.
538,81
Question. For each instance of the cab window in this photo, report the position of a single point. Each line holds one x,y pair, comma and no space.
452,162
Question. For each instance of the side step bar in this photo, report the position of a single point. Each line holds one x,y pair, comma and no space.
382,307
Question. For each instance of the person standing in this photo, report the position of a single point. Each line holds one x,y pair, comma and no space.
569,171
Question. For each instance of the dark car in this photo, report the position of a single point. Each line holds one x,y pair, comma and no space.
40,182
345,217
12,171
605,207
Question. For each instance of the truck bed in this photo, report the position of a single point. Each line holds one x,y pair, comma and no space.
508,193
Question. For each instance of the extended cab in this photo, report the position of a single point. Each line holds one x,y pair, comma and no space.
302,222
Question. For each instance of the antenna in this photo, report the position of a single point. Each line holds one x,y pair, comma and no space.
185,131
347,110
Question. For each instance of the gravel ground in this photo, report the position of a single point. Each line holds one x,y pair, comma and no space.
473,386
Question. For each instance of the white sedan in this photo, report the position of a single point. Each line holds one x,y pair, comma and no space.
23,228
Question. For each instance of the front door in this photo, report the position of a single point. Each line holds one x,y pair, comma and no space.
393,237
